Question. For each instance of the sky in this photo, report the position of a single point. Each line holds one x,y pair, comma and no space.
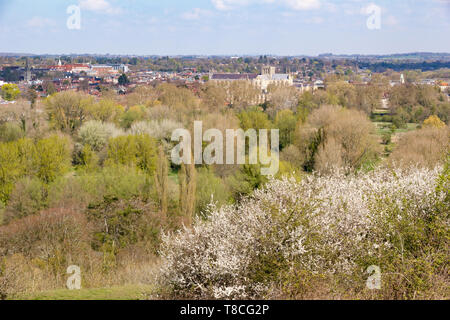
225,27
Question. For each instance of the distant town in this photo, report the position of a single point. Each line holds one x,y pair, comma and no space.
95,74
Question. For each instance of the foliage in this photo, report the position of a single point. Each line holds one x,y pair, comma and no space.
254,118
133,150
132,115
286,122
118,224
106,110
334,137
52,158
188,189
92,186
162,180
47,159
160,130
96,134
27,198
434,121
10,132
425,147
68,110
210,188
123,79
10,92
331,227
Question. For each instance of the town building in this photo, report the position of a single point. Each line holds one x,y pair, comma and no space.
267,77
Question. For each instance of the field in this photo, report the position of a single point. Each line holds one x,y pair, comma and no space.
133,292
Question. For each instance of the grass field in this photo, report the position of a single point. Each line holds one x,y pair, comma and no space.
385,127
131,292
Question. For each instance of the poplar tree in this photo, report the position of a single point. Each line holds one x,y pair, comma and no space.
162,180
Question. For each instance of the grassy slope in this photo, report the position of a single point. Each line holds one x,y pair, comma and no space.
130,292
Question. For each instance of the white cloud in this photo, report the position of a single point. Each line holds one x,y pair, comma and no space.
292,4
102,6
39,22
303,4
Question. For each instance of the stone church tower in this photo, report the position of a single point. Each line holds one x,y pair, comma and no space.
269,71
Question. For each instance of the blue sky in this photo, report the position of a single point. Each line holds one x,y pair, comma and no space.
235,27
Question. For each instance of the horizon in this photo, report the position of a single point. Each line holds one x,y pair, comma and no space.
224,27
320,55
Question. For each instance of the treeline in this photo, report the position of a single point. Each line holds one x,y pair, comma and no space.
400,65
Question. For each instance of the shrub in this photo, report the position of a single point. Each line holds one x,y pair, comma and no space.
328,227
122,223
10,132
160,130
35,251
10,92
68,110
92,186
52,158
425,147
27,198
96,134
136,113
434,121
106,110
133,150
386,138
56,233
334,137
210,188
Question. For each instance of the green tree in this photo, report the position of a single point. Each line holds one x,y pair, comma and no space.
106,110
123,79
210,188
254,118
133,150
286,122
10,92
52,158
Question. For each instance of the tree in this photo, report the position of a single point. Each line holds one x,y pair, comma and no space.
162,180
10,92
426,147
68,110
281,97
214,97
31,96
134,151
52,158
106,110
333,137
84,85
286,122
434,121
254,118
242,94
188,187
123,79
49,87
